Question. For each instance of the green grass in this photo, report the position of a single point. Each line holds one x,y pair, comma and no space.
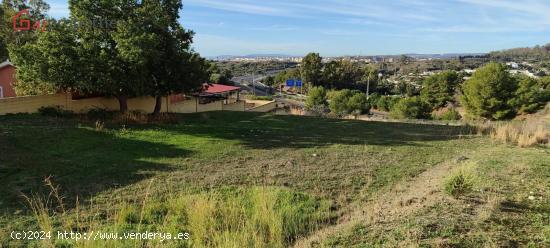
332,164
511,208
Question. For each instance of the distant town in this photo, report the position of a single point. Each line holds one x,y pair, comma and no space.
352,58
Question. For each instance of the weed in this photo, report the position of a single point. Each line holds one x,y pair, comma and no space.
460,183
99,125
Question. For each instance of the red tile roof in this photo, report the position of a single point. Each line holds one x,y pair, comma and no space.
219,88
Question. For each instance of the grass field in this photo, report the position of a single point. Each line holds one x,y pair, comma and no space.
245,179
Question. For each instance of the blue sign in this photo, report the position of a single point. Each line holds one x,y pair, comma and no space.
290,83
299,83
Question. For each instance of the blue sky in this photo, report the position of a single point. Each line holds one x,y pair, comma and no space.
360,27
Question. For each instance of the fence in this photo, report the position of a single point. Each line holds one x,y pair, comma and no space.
264,107
31,104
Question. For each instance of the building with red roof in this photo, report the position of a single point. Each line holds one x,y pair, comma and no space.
215,92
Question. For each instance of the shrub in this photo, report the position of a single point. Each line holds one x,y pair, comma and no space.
448,115
386,103
54,111
358,104
488,93
316,99
459,183
411,108
339,102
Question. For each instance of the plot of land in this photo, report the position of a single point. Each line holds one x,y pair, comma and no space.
328,173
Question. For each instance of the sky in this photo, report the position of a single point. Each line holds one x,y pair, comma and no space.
359,27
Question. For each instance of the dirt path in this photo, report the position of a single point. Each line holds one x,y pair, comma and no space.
402,200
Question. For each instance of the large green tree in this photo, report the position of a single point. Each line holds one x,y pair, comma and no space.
311,69
488,92
158,48
107,66
530,96
51,63
440,88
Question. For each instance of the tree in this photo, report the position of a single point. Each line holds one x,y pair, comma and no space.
411,108
283,76
488,92
370,78
331,75
317,99
440,88
107,64
269,81
154,43
311,69
545,82
8,37
529,97
219,76
51,63
350,73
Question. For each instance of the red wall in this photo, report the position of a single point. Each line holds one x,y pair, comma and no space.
7,78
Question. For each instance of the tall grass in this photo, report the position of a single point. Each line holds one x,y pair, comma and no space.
524,134
228,217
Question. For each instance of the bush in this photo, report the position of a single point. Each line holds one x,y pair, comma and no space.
358,104
347,102
317,99
460,183
339,102
411,108
488,93
448,115
54,111
386,103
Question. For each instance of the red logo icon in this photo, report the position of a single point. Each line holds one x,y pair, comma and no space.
21,22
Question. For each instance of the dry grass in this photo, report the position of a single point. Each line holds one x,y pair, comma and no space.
524,134
527,131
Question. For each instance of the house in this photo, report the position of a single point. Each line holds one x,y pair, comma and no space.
7,79
214,92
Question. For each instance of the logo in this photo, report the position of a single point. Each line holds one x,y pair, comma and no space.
21,22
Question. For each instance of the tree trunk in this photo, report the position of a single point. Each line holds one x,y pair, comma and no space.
158,105
368,87
123,103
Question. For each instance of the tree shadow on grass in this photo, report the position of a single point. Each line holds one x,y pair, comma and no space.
270,131
82,161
